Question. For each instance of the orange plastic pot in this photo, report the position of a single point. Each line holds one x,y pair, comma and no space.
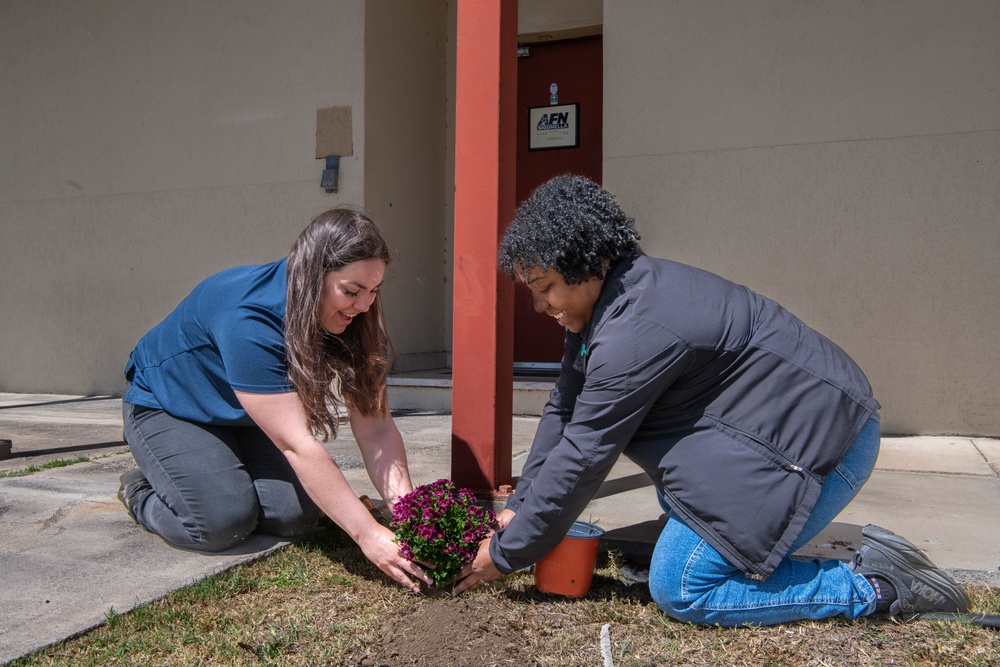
569,568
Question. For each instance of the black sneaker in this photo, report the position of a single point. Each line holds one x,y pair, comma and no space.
920,585
132,482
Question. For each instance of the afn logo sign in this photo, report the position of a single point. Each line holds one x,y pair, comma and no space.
554,127
553,121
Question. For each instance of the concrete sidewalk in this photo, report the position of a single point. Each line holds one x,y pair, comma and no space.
69,553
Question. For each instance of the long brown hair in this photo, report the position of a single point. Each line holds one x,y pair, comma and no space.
329,371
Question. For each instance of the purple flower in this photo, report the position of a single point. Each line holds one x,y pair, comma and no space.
440,524
426,531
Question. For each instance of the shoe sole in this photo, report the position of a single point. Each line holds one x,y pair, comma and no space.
123,501
126,480
131,477
909,559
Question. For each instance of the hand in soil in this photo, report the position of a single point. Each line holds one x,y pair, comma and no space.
479,571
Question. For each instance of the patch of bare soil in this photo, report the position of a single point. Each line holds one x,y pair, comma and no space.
516,625
462,632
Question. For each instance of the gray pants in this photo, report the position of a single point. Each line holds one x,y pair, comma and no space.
212,486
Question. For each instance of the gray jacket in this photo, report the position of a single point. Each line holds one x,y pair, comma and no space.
733,407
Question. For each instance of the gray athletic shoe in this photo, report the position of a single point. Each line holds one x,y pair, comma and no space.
132,482
920,585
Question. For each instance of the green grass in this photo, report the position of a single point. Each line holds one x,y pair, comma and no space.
319,602
58,463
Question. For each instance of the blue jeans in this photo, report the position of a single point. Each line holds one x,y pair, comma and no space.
691,581
212,486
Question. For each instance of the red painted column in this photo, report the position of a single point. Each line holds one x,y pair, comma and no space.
482,342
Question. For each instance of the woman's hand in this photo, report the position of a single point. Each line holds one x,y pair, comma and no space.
504,517
480,570
379,547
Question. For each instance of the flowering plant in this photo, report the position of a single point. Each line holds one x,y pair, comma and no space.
437,523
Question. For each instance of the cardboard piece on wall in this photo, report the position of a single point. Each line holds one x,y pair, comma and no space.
333,132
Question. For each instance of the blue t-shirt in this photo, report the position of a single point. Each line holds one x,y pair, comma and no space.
227,335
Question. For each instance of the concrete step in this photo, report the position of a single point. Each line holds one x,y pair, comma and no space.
430,390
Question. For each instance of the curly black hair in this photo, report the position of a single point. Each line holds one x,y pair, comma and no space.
569,224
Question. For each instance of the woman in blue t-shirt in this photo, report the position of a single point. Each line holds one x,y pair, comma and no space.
226,398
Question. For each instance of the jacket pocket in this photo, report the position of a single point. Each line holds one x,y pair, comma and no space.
743,497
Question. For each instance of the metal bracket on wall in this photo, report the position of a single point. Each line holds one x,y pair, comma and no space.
331,175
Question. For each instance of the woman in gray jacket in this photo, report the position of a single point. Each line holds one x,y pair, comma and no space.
755,430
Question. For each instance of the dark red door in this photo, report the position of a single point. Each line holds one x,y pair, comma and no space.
576,69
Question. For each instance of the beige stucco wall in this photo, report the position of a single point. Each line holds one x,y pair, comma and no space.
544,20
147,145
406,79
842,158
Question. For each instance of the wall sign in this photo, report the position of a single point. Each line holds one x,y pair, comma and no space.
553,127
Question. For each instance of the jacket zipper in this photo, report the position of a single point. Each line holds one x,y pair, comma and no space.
784,460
